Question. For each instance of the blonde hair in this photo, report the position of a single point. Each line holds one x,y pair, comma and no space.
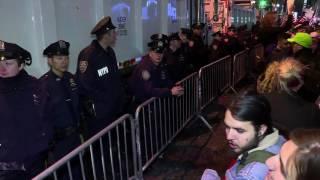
283,75
290,74
268,82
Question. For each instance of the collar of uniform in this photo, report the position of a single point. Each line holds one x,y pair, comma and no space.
150,63
12,83
266,142
55,77
98,46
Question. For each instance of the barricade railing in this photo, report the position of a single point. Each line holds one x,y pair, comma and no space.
159,120
110,154
240,66
124,149
214,78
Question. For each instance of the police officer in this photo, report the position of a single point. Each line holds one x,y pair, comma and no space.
99,76
175,59
185,36
198,49
150,77
25,129
64,98
231,42
197,29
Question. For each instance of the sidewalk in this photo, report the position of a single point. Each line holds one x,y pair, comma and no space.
196,148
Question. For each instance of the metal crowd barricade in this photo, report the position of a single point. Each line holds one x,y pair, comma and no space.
240,66
110,154
214,78
159,120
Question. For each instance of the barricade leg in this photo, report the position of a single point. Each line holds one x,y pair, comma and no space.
204,121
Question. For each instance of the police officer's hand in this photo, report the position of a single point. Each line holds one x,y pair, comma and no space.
177,91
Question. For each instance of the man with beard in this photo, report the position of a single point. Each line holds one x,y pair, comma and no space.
250,135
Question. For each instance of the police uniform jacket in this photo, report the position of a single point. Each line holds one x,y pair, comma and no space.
25,129
64,97
149,80
99,77
176,64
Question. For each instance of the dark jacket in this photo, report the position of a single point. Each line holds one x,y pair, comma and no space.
99,77
176,64
149,80
269,35
25,129
64,97
311,88
289,112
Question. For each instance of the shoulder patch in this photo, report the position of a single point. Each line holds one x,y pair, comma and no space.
83,64
145,75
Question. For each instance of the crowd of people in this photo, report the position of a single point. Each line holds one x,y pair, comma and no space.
274,127
44,119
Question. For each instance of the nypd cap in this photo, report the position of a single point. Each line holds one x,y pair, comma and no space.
198,25
103,26
158,42
187,32
13,51
174,36
59,48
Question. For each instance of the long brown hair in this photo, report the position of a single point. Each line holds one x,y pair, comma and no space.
304,163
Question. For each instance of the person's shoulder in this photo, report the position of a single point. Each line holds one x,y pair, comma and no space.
145,62
253,171
69,75
87,51
45,77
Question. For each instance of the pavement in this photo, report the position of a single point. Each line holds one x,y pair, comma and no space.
196,147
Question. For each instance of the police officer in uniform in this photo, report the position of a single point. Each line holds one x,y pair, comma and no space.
64,99
185,36
198,53
197,29
150,77
99,77
25,130
175,59
231,42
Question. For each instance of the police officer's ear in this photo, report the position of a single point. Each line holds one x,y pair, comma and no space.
21,66
50,60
